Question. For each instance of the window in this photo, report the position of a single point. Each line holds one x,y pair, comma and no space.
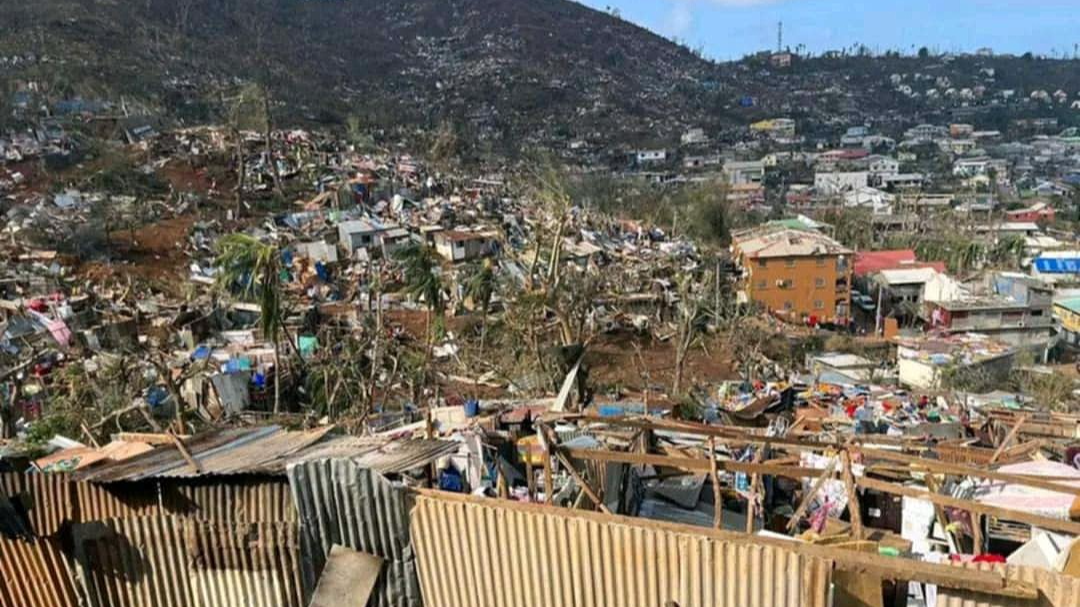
819,305
821,262
788,306
761,263
1036,312
819,283
789,262
762,285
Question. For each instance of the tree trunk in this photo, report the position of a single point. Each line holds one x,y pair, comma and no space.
483,327
277,374
241,172
269,143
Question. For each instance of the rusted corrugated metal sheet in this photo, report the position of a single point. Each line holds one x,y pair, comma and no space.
490,554
167,561
133,562
244,565
387,457
100,502
267,450
48,498
237,500
1055,589
35,573
341,503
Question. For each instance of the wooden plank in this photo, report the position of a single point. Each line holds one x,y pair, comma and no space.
755,484
581,482
809,497
195,467
960,470
348,579
970,506
1008,438
691,464
718,498
854,507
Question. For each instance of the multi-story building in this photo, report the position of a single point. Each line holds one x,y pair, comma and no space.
1017,312
800,275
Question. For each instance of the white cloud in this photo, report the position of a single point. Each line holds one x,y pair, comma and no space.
679,20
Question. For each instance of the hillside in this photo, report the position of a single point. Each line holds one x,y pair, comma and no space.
548,68
507,74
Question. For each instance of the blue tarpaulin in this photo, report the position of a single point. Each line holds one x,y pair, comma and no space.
1058,265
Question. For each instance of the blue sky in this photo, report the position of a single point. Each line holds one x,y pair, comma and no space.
729,29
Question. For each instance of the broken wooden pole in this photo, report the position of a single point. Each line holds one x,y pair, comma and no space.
854,507
718,499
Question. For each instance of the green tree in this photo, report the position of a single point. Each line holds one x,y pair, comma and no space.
253,269
480,283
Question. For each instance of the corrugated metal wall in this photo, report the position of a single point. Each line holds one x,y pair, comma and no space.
490,554
339,502
236,500
1055,590
241,565
48,498
35,573
133,562
166,561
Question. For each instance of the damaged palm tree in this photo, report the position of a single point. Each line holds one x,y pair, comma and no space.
424,282
480,286
253,268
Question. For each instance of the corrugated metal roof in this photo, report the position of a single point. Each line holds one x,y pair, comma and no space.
268,450
339,502
491,554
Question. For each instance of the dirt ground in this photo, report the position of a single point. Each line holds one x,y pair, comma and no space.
156,254
615,363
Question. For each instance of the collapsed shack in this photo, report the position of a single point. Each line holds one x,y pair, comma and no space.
640,511
890,496
211,520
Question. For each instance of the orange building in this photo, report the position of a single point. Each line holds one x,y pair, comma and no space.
798,274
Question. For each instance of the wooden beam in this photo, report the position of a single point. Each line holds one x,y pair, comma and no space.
961,470
691,464
581,482
1008,438
195,467
549,488
809,497
977,532
854,507
971,506
718,499
755,484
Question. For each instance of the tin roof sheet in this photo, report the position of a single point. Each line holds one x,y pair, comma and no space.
267,450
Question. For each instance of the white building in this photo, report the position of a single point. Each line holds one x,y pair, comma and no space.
650,156
839,182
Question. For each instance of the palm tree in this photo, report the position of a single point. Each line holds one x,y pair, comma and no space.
423,281
254,268
480,284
